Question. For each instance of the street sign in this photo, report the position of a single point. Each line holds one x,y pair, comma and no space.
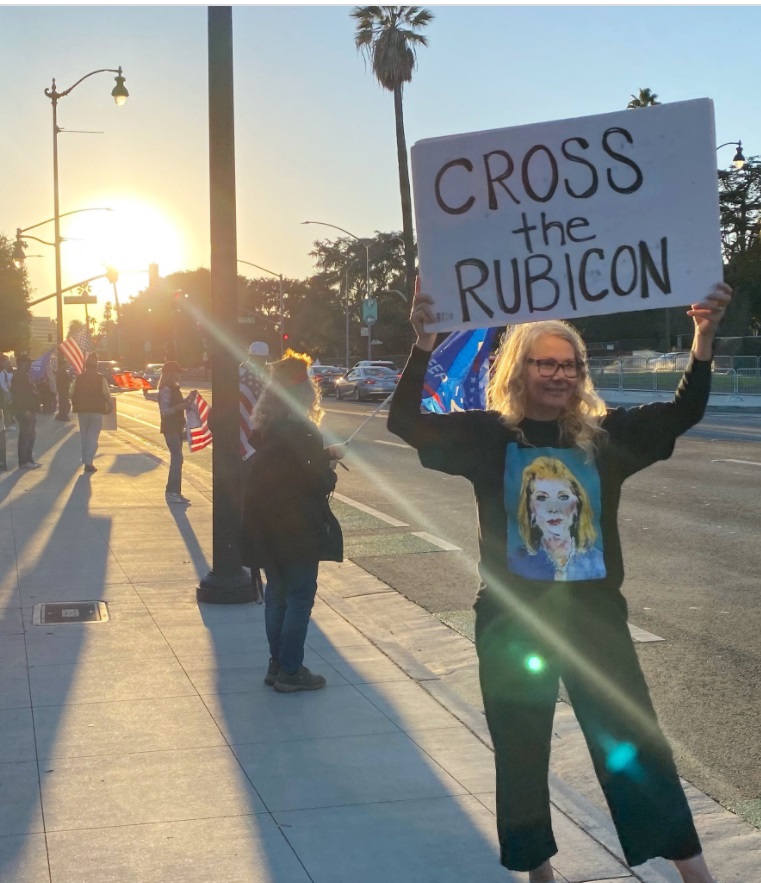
370,311
364,332
247,320
81,299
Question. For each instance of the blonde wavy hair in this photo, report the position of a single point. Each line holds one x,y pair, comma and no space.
580,423
582,529
290,393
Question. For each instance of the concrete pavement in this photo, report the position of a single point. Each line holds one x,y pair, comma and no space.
146,748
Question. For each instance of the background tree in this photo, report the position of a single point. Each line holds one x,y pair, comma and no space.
15,317
645,98
388,36
740,212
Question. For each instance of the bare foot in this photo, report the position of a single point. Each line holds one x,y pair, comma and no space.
542,874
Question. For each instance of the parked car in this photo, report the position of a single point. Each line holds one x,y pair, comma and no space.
152,373
627,365
371,363
673,362
325,376
366,383
108,369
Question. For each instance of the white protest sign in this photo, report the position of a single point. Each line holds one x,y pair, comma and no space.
603,214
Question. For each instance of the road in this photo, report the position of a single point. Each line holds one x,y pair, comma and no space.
690,536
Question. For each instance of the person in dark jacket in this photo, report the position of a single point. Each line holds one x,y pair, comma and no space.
25,401
172,408
534,624
90,400
286,511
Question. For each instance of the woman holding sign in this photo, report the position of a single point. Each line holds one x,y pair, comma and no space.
547,450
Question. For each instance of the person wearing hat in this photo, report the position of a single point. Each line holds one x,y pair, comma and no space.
287,522
172,407
90,400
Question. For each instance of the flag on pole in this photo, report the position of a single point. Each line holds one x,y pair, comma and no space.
459,371
39,370
76,347
126,380
197,422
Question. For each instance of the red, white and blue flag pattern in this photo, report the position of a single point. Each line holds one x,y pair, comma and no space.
75,348
459,371
197,422
250,386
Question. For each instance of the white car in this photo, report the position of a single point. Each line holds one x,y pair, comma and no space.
673,362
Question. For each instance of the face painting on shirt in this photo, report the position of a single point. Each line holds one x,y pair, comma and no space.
552,500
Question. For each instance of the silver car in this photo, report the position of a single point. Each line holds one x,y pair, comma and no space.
361,384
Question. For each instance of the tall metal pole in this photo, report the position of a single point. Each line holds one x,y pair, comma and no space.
281,314
227,582
62,377
367,295
346,305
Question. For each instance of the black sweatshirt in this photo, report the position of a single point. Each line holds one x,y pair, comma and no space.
517,517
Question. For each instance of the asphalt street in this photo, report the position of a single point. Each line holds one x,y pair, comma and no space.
689,532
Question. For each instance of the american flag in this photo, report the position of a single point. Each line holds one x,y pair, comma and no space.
76,347
197,422
250,385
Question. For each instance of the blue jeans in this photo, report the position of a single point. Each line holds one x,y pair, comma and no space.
288,601
174,480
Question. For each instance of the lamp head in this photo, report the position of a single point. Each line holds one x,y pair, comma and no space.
18,252
739,161
119,92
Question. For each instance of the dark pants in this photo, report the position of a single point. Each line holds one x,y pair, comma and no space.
27,430
288,601
174,479
523,650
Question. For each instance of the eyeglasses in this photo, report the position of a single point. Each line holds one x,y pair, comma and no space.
549,367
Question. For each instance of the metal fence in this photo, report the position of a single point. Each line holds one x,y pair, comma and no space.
736,376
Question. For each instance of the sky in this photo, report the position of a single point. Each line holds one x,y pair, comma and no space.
315,136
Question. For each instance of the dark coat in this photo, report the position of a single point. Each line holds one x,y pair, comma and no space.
24,395
286,496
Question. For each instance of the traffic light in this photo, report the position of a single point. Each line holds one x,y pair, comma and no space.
286,336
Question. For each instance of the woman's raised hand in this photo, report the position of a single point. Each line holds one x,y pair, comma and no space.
710,311
420,315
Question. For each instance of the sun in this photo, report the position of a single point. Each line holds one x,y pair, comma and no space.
129,236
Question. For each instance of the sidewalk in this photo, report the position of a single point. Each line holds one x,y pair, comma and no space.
146,748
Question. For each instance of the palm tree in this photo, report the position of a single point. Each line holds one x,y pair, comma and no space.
646,98
388,37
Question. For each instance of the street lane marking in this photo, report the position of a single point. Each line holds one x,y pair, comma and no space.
138,420
368,510
393,444
641,636
435,541
742,462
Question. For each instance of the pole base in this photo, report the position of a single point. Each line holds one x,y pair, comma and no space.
226,588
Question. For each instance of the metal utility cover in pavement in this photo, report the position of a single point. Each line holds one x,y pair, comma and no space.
69,611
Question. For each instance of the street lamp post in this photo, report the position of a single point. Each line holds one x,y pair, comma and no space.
120,95
280,309
739,160
366,244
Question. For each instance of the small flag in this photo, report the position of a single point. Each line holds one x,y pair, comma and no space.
39,370
126,380
75,348
459,371
197,422
250,386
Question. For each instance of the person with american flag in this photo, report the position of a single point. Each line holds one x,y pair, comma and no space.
77,346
